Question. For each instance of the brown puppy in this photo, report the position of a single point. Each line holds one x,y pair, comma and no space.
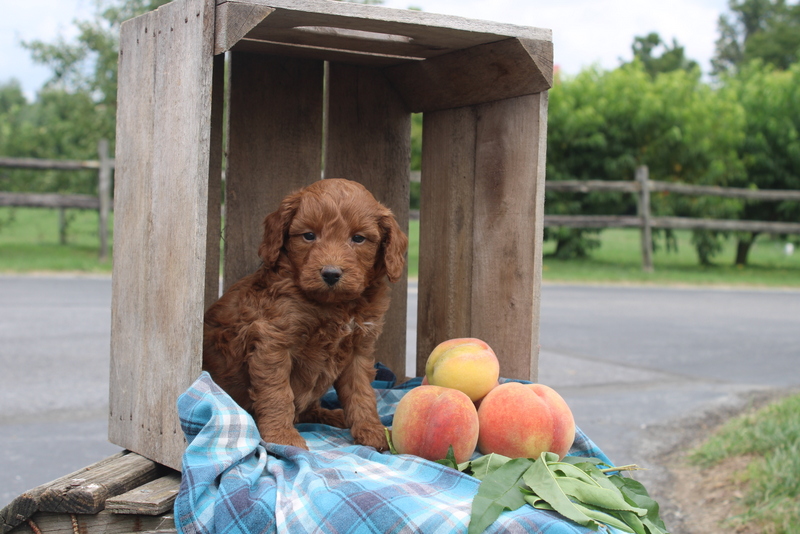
309,317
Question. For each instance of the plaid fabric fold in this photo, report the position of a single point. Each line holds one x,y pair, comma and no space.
235,483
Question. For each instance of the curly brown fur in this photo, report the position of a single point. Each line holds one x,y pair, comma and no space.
309,317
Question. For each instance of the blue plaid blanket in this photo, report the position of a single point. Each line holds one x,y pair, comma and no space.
233,482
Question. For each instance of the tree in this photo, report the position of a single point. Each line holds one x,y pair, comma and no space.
603,124
671,58
757,29
88,66
771,148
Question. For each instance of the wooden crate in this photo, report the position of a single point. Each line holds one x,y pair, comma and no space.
313,84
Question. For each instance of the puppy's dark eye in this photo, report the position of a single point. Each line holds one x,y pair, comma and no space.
358,238
310,236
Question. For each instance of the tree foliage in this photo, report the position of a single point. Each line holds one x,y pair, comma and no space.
671,57
770,152
768,30
75,108
603,124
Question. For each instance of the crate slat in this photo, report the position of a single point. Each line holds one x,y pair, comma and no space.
153,498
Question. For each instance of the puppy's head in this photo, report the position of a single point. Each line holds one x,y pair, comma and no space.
338,239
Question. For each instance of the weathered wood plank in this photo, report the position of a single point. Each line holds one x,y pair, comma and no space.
234,20
484,73
428,29
101,523
510,150
623,186
25,505
587,186
593,221
368,139
49,164
87,492
767,227
274,147
49,200
643,209
730,192
214,217
481,229
446,229
153,498
158,287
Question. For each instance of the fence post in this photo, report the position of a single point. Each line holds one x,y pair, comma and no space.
104,192
62,225
643,178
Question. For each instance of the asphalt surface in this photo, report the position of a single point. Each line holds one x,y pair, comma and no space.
636,364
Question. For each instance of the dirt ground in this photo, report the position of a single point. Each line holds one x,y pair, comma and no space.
694,500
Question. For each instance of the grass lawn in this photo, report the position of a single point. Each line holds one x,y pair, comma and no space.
619,260
769,442
29,241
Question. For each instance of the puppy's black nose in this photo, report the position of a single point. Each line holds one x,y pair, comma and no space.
331,275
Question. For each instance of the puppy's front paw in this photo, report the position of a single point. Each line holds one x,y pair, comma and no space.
371,436
287,437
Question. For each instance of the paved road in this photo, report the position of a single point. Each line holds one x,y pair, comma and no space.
627,359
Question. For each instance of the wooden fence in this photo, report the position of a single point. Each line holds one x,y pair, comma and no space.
102,202
642,187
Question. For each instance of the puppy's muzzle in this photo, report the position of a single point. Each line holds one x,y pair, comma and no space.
331,275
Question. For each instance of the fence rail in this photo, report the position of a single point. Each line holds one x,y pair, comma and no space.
103,203
642,187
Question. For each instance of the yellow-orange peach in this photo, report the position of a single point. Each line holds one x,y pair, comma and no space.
523,420
429,419
465,364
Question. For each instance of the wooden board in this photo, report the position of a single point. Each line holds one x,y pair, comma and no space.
158,287
87,492
275,147
483,73
101,523
153,498
481,229
26,504
369,141
411,33
446,229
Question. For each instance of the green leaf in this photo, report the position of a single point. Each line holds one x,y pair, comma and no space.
543,483
498,492
597,497
606,517
389,441
450,459
578,460
484,466
635,493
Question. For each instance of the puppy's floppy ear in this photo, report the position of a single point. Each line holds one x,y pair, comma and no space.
394,246
276,229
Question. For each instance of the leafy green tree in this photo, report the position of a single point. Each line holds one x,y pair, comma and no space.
603,124
771,148
757,29
88,65
671,57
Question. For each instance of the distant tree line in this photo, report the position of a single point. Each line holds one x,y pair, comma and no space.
738,127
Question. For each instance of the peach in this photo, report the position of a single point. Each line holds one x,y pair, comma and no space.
429,419
523,420
465,364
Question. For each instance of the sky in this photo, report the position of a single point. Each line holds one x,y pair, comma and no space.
585,32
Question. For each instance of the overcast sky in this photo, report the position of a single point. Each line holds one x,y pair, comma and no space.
585,32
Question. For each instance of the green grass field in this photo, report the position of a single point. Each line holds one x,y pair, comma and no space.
29,242
770,438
